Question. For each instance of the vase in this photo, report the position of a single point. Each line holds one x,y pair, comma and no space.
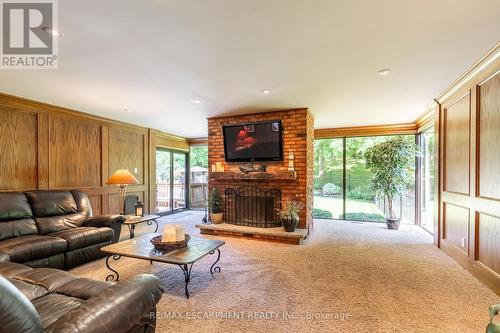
393,224
216,218
289,223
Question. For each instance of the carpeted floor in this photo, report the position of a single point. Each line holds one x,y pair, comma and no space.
347,277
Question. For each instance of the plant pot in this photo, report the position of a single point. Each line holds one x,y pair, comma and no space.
289,224
393,224
216,218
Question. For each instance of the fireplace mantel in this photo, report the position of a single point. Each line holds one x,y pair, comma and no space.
280,175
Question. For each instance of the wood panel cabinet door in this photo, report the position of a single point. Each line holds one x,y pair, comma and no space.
18,146
457,146
74,154
488,135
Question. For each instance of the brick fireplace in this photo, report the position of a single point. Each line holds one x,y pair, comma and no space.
298,137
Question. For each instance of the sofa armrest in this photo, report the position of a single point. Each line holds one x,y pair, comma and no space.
119,308
111,221
4,257
17,313
104,220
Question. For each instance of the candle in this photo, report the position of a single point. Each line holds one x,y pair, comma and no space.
180,232
168,234
290,162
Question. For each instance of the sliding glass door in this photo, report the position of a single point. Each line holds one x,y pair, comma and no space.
179,181
427,179
342,183
198,182
328,178
170,181
163,181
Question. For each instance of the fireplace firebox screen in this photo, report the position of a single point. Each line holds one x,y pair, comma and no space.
252,206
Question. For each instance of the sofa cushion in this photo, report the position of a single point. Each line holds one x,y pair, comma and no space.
51,203
10,269
17,228
31,291
59,210
14,206
26,248
53,306
82,203
49,278
83,288
16,217
78,238
48,225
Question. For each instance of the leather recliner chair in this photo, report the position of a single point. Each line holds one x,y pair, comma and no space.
53,301
53,229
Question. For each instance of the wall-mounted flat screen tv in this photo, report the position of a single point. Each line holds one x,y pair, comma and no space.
260,141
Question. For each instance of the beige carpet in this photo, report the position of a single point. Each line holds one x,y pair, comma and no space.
348,277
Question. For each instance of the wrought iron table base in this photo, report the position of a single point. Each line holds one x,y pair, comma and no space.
112,277
131,227
215,268
186,269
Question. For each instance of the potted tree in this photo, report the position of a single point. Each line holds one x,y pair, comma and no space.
289,215
389,162
215,206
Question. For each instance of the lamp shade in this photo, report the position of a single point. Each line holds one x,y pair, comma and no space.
122,177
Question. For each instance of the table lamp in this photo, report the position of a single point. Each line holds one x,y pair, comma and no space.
122,178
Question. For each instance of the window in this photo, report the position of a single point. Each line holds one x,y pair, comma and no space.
342,184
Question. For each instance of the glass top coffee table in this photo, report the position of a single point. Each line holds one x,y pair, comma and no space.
141,248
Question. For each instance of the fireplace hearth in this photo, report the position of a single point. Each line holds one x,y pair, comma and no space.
252,206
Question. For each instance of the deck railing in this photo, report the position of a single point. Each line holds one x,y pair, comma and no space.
197,196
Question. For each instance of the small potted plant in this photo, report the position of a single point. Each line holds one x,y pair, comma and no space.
289,215
493,327
215,205
389,162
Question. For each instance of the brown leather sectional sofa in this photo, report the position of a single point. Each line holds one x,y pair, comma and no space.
53,301
53,229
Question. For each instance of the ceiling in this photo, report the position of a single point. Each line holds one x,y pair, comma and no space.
153,57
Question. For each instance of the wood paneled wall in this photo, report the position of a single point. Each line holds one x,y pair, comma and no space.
49,147
470,172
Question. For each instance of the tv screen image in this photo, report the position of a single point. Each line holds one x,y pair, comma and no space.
253,142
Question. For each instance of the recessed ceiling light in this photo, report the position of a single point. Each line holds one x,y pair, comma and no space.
266,91
126,110
196,100
53,32
384,71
